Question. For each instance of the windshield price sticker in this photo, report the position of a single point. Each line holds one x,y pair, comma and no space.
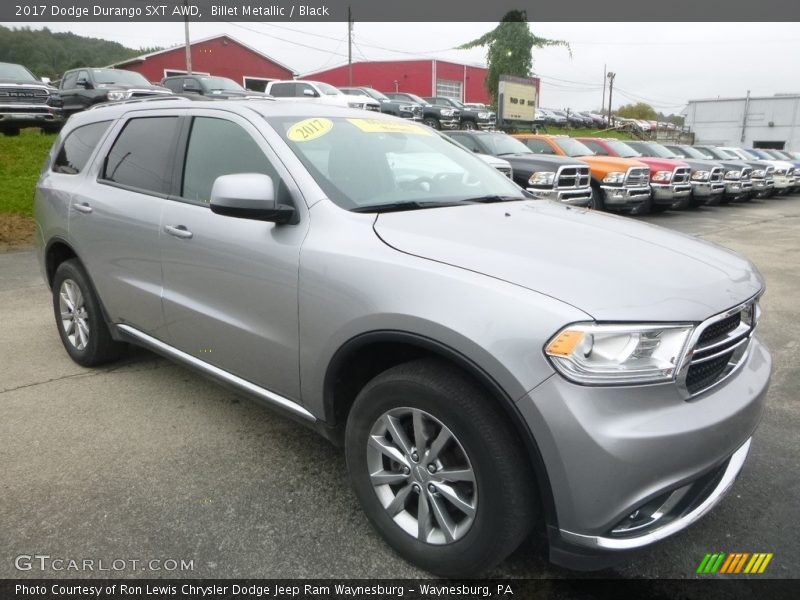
309,129
381,126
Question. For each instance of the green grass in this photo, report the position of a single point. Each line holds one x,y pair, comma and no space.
21,160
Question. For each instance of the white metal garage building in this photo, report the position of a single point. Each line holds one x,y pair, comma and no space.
752,121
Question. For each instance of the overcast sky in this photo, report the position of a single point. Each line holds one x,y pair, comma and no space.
664,64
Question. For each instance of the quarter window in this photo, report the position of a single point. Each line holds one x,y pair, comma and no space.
141,156
78,147
219,147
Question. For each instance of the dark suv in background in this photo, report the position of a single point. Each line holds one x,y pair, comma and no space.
82,88
208,87
438,117
398,108
470,118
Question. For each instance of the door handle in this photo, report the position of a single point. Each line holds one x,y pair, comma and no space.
83,207
179,231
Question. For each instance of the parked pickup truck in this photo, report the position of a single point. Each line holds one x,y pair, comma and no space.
438,117
787,156
471,118
621,184
763,176
784,170
736,183
398,108
550,177
320,93
207,87
26,101
669,177
82,88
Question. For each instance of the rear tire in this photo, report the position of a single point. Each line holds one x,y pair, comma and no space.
454,508
79,318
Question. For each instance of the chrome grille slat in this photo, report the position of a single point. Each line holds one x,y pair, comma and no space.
681,175
637,177
727,349
569,178
716,174
23,95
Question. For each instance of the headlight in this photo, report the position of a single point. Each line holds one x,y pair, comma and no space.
447,112
116,95
607,354
733,174
662,176
484,115
614,177
542,178
759,173
701,175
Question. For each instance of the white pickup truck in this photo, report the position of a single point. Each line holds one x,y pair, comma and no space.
322,93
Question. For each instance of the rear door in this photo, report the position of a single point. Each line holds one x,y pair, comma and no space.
231,284
115,216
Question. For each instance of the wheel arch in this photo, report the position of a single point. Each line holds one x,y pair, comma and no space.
364,356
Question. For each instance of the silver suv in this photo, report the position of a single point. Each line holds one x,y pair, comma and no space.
490,362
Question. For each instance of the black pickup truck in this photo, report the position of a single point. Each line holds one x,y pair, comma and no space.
546,176
208,87
438,117
398,108
82,88
471,118
26,101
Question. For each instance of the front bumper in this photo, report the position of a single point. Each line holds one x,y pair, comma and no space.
34,115
624,198
486,125
670,194
610,451
707,190
763,187
783,183
572,196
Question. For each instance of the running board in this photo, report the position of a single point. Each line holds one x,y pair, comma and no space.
217,373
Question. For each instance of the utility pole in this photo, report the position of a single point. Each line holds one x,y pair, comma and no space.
610,92
186,33
603,103
349,46
744,119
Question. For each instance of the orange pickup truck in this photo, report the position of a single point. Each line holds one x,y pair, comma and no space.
620,184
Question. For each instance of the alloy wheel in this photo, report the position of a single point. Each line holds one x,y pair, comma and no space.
74,318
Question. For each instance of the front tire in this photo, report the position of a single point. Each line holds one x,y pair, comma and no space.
438,470
432,123
79,318
469,126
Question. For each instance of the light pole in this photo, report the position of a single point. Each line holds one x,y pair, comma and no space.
610,91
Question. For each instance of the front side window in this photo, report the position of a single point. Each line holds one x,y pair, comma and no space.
596,148
219,147
573,147
78,147
70,81
363,163
141,156
539,146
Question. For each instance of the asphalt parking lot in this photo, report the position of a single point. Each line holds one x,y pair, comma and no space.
145,460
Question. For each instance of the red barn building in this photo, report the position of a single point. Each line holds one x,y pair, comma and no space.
220,55
424,77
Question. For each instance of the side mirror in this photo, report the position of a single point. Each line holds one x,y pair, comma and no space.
307,92
248,196
192,88
84,83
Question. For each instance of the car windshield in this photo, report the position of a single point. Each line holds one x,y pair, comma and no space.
654,150
16,72
368,165
221,83
749,154
327,89
573,147
726,154
690,152
375,94
417,99
118,76
622,149
456,103
714,153
500,144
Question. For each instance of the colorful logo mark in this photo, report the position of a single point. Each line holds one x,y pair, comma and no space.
735,563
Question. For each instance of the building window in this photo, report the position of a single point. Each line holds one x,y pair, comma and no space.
176,72
256,84
449,89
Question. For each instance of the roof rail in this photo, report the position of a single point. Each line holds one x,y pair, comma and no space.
138,100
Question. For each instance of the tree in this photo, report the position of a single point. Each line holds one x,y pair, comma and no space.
640,110
509,49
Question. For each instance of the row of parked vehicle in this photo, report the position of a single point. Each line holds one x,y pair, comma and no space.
636,176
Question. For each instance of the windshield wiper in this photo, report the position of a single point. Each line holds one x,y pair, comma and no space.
492,198
402,206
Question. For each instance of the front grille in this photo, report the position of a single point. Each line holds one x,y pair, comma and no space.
716,174
681,175
720,347
637,177
790,173
746,173
27,110
373,107
22,95
572,177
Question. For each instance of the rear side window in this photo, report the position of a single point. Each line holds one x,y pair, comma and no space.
282,90
78,147
219,147
142,155
176,85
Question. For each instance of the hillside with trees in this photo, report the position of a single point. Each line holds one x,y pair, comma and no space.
49,54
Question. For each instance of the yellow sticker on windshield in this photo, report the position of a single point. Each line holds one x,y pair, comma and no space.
309,129
387,126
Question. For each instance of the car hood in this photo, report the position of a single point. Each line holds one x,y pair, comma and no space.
24,82
611,163
124,86
664,164
535,160
701,164
608,266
